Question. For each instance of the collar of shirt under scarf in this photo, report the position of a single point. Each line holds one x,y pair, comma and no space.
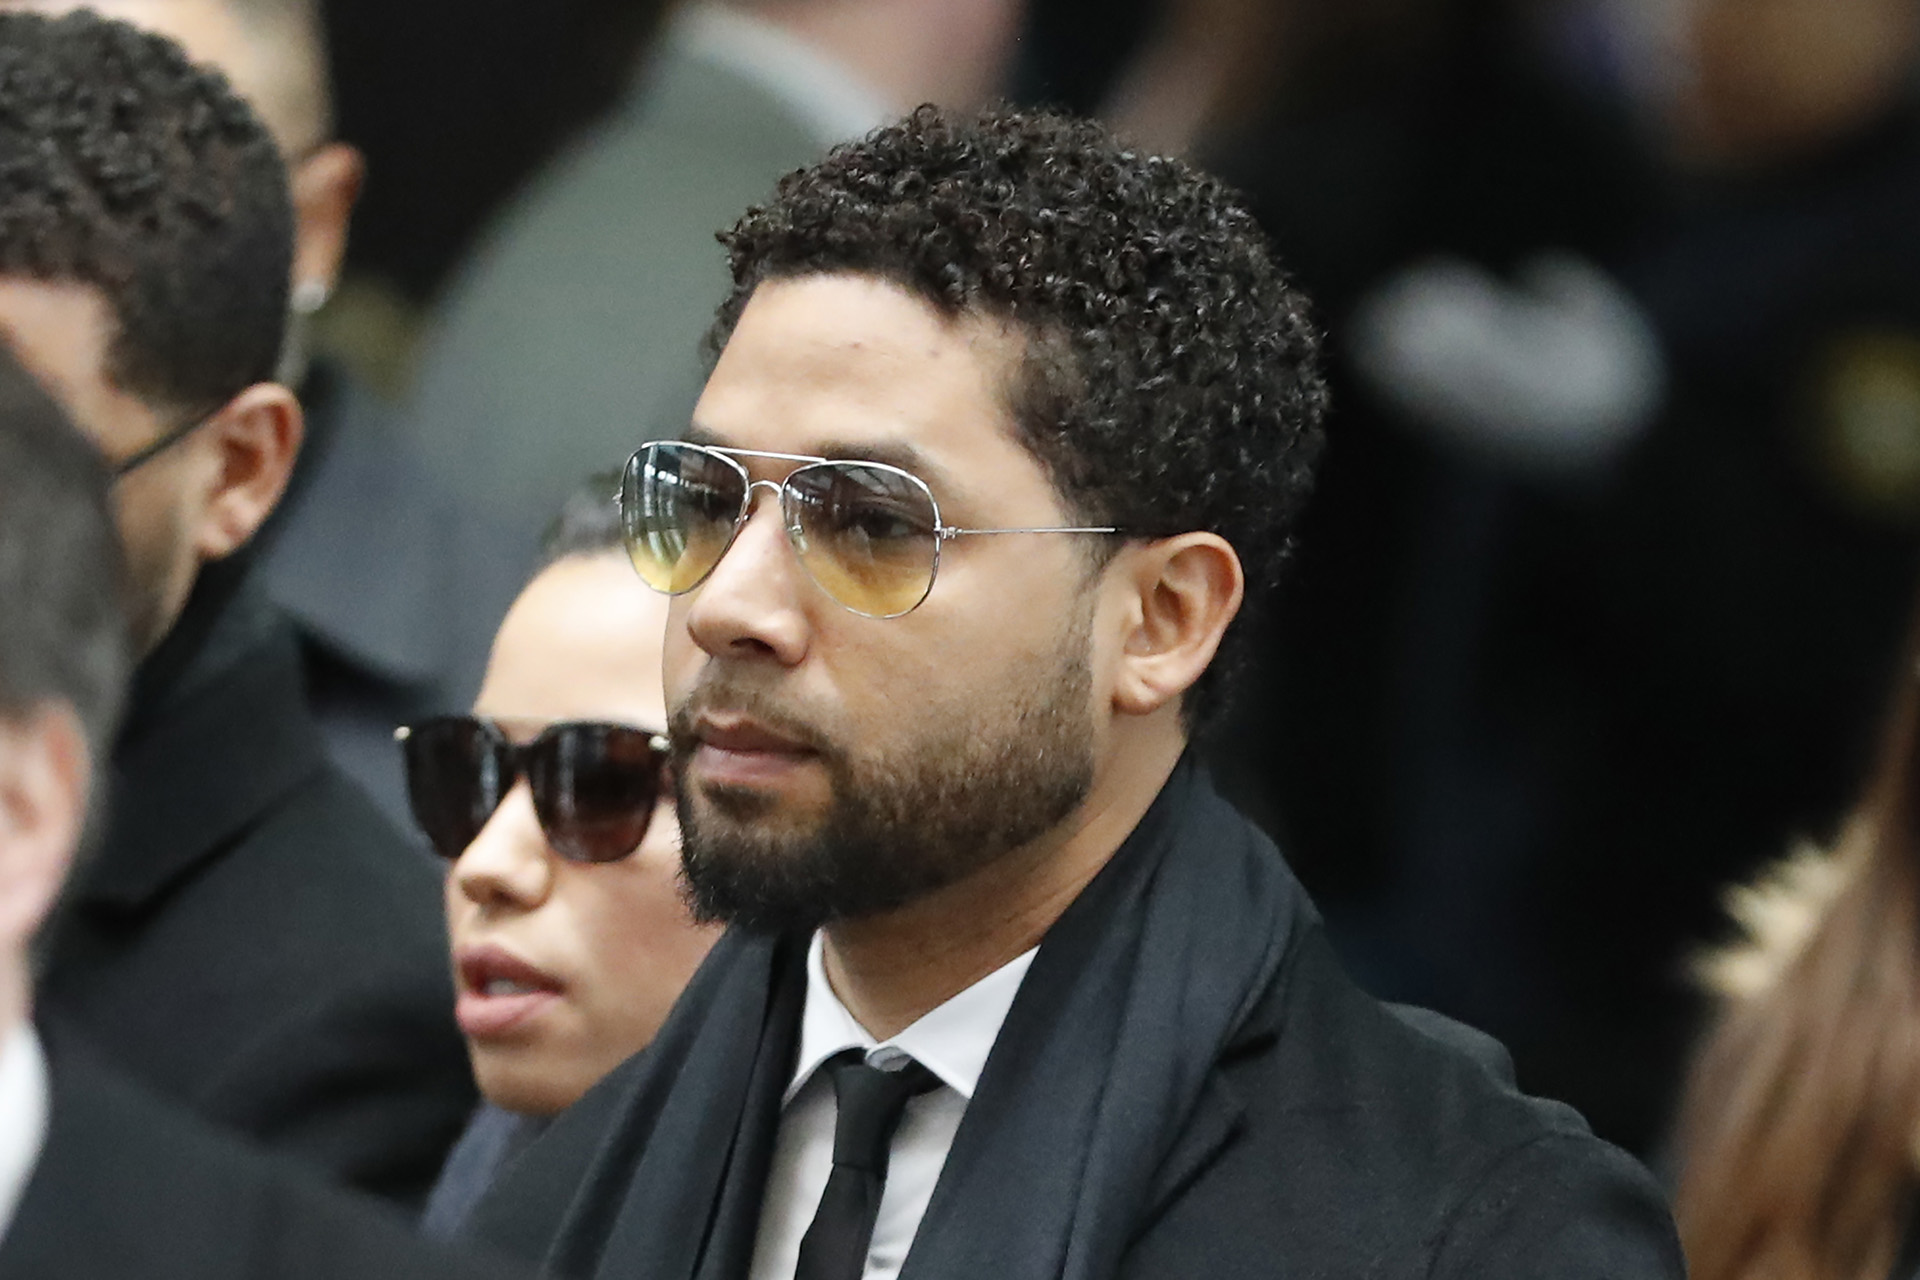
23,1115
952,1041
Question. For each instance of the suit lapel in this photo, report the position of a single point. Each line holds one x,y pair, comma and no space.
1218,1119
1219,1115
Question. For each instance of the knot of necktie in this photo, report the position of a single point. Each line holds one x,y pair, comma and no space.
869,1103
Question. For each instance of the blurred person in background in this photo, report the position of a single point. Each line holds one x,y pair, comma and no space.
391,585
1616,531
574,332
452,138
571,940
98,1178
1797,1146
219,944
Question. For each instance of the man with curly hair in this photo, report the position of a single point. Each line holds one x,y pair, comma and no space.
254,939
1008,426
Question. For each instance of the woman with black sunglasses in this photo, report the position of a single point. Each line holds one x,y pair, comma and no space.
553,805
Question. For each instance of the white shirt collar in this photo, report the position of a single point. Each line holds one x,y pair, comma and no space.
23,1115
952,1041
832,100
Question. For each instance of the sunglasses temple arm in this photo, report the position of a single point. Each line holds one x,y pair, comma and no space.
947,533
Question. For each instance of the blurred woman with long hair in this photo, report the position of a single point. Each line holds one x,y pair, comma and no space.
1798,1140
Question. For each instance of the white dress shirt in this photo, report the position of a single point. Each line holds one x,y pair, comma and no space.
23,1116
952,1041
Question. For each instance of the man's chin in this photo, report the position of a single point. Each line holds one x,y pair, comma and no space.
737,811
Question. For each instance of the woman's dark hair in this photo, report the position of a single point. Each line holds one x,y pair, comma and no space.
588,523
126,167
1171,377
1796,1135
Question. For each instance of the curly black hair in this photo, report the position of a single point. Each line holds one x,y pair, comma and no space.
126,167
1171,379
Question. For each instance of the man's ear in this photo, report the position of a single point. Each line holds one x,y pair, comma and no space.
1182,594
45,770
252,444
326,186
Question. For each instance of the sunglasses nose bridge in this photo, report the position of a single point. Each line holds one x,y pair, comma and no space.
507,861
749,508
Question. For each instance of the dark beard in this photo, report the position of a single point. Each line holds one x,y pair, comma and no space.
899,829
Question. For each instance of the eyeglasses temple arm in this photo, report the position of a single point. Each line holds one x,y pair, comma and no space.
947,532
171,438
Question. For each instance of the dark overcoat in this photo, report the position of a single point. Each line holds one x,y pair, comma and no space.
126,1188
1329,1135
253,939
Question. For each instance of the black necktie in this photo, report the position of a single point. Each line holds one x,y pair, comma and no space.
869,1103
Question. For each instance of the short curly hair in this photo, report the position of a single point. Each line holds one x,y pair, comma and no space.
1171,378
126,167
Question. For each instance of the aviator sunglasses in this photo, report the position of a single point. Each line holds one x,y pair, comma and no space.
594,784
869,533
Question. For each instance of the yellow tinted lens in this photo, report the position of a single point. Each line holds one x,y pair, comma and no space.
866,533
678,508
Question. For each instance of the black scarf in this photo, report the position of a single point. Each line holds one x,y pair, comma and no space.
1099,1066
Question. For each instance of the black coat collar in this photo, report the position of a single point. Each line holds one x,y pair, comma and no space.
219,732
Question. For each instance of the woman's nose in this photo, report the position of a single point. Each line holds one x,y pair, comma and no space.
508,864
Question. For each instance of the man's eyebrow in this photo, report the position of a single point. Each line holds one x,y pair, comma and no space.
894,453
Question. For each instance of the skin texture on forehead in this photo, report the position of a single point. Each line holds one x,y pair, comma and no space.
864,368
581,643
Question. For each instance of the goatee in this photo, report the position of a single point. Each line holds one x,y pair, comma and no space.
896,828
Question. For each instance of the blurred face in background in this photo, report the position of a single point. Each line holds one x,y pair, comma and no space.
45,771
275,57
565,969
203,498
1766,81
171,512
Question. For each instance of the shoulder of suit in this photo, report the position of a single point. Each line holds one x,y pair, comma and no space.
128,1186
1340,1059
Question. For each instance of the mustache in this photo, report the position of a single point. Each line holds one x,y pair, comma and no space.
737,698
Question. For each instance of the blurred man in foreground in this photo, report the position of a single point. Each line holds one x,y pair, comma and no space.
254,939
1008,423
98,1179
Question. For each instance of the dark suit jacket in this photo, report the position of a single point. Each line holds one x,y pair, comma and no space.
254,940
1339,1137
1334,1138
128,1189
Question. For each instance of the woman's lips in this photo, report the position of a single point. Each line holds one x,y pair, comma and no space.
499,991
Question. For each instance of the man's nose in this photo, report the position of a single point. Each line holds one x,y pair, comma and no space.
753,603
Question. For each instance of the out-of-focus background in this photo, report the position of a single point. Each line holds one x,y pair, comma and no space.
1614,549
